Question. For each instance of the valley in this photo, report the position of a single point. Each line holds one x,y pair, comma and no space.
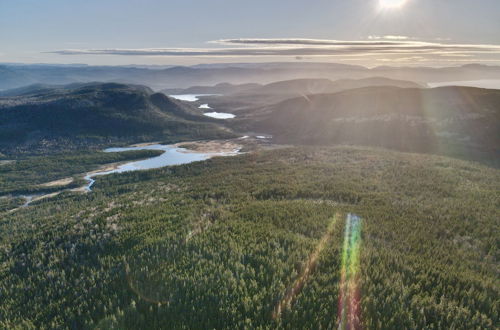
375,206
268,165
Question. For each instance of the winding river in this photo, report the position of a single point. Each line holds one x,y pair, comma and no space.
172,155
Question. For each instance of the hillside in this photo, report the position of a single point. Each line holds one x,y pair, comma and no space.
281,90
321,86
220,244
292,87
459,121
41,89
44,117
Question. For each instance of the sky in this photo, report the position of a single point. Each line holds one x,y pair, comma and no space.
186,32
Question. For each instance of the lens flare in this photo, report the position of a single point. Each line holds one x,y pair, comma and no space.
295,289
392,3
349,298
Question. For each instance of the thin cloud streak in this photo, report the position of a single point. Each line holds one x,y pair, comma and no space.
397,45
301,42
389,37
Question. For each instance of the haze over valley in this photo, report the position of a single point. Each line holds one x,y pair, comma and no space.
279,166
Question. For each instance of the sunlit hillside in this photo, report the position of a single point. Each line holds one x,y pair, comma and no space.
250,164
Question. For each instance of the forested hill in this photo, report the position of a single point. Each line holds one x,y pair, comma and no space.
94,113
317,86
260,96
457,121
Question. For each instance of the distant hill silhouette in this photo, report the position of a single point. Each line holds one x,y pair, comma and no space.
458,121
222,88
281,90
318,86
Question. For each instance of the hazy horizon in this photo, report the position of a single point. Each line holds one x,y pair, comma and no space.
230,164
360,32
240,63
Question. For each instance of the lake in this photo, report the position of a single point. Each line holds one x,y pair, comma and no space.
172,155
195,97
189,97
219,115
483,83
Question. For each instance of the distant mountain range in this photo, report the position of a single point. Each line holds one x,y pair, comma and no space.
13,76
246,97
52,117
294,86
456,121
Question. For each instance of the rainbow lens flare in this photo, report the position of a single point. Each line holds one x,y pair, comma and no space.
297,286
349,298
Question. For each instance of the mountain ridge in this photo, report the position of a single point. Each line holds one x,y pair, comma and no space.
281,90
99,112
457,121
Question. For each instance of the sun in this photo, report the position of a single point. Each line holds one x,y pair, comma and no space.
392,3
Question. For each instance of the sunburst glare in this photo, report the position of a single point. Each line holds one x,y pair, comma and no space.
392,4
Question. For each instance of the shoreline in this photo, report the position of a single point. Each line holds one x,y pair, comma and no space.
210,147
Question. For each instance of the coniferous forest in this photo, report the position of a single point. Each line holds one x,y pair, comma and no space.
292,238
268,165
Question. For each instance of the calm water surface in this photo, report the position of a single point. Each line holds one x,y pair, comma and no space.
484,83
189,97
195,97
219,115
172,156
